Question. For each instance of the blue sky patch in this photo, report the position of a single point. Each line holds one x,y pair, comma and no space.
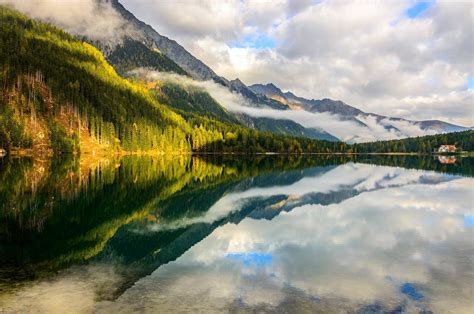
418,8
409,290
469,221
470,83
252,258
258,41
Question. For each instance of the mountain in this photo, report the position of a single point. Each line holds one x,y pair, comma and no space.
258,95
440,126
258,100
345,111
59,94
288,127
143,47
138,31
295,102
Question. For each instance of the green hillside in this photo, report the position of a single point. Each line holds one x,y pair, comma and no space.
193,99
132,54
53,83
290,127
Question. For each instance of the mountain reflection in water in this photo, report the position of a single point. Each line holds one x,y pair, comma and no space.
269,233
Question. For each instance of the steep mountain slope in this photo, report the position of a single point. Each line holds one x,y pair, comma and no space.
258,100
295,102
345,111
287,127
60,94
145,34
132,54
192,99
440,126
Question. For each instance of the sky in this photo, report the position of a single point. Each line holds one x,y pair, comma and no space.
411,59
405,58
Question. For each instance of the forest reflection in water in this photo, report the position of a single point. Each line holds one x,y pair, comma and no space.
249,233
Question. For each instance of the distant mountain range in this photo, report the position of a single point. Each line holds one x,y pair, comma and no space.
144,47
342,109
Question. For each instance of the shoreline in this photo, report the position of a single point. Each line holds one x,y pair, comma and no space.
49,154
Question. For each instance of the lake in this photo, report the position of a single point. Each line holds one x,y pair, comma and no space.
367,234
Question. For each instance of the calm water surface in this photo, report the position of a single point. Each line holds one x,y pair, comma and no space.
235,234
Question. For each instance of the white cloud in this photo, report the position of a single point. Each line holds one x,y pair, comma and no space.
95,19
365,53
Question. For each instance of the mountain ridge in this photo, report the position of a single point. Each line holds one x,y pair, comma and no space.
346,111
169,47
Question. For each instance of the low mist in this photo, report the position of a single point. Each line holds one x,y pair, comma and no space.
348,131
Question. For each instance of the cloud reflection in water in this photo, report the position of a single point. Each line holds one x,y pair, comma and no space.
401,242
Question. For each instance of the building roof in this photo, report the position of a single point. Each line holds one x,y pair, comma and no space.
448,146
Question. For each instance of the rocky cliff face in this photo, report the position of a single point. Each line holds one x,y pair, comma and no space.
151,38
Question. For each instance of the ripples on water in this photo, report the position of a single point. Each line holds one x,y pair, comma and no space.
237,234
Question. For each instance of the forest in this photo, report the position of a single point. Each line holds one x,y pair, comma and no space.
464,141
131,55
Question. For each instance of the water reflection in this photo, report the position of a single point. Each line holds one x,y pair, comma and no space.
447,159
267,234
